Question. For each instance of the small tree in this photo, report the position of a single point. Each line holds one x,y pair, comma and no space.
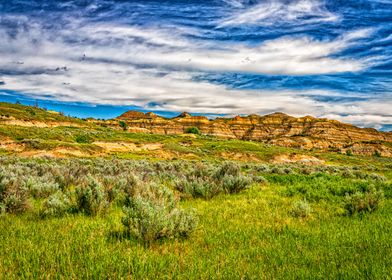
83,139
123,125
193,130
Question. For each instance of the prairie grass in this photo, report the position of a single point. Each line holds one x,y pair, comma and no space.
251,234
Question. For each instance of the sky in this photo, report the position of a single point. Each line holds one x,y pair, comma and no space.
98,59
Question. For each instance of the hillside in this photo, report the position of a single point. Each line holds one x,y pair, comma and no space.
278,129
30,131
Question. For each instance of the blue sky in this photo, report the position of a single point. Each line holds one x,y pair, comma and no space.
219,57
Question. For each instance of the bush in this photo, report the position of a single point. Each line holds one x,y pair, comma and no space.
259,179
228,168
32,144
235,184
56,205
124,189
154,214
2,209
13,196
377,177
301,209
83,139
278,170
199,188
91,198
262,168
193,130
40,188
360,202
123,125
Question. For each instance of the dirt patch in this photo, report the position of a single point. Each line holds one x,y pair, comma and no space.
116,146
16,122
56,153
297,158
151,146
11,145
67,152
240,156
138,130
127,146
37,154
164,154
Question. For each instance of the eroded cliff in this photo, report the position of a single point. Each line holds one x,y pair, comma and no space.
277,129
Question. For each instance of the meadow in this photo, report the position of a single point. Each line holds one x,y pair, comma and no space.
141,219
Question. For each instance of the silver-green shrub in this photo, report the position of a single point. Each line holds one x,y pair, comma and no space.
41,187
198,188
301,209
363,202
56,205
13,196
228,168
154,214
235,184
91,198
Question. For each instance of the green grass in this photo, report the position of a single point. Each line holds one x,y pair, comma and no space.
30,113
247,236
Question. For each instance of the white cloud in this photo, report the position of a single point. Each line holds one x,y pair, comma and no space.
280,12
172,49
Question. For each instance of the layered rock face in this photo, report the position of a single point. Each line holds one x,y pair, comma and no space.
277,129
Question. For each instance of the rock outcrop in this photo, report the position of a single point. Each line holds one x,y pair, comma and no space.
277,129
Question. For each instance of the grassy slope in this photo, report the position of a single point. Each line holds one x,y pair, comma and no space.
201,147
30,113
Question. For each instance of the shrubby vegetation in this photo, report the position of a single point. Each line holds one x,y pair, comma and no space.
154,214
193,130
98,211
149,192
301,208
206,181
56,205
91,198
13,194
362,202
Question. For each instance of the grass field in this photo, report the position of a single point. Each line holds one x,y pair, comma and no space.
251,234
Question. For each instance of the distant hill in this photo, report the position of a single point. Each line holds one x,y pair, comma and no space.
9,112
277,129
23,128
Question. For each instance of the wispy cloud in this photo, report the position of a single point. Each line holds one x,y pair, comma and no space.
172,49
279,12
